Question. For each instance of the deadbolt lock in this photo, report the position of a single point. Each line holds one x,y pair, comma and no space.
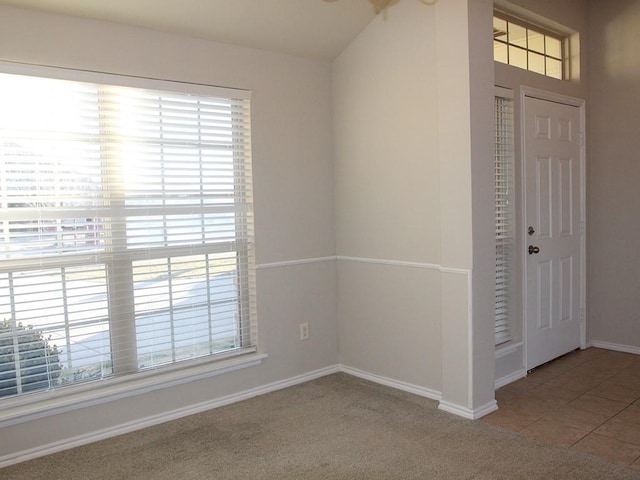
531,231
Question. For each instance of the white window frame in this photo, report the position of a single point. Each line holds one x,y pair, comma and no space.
23,407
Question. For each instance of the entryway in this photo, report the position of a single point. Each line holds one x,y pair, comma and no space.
588,400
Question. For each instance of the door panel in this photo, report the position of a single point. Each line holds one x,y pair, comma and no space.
552,207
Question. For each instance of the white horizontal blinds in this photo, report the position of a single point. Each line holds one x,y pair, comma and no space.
61,326
504,217
126,216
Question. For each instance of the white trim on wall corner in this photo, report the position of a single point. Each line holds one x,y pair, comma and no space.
615,346
455,271
508,350
398,385
393,263
374,261
289,263
468,413
402,263
512,377
469,327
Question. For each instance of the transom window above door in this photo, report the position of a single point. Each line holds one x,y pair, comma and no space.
526,46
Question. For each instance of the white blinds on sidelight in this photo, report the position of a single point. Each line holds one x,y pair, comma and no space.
505,217
126,219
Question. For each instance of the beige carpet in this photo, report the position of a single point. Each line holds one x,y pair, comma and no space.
337,427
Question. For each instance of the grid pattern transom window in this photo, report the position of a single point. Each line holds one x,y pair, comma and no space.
528,47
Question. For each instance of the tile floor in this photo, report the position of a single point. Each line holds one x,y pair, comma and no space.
588,400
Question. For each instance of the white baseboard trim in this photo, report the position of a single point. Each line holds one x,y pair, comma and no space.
161,418
614,346
508,350
458,410
468,413
79,440
404,386
512,377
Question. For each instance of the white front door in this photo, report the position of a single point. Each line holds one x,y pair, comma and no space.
553,224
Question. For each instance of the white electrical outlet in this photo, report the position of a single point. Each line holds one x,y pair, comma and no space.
304,331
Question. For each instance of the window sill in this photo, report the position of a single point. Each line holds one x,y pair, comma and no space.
39,405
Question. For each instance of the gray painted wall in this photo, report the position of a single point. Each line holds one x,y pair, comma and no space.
414,200
614,174
387,197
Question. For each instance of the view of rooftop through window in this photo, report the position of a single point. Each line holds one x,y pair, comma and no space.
524,46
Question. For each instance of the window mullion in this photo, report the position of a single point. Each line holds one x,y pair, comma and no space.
119,265
14,337
172,319
65,304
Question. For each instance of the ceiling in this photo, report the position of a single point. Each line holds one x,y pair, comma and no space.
318,29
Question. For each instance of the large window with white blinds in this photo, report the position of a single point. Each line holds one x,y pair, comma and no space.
127,227
504,218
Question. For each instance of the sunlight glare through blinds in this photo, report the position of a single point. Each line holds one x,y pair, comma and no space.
126,217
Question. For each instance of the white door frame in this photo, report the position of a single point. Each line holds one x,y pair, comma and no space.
574,102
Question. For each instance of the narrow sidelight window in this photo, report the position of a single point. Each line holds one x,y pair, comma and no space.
504,218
